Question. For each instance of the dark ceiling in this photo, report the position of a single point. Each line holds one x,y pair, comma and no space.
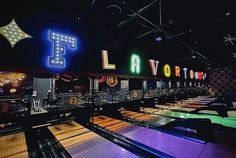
190,31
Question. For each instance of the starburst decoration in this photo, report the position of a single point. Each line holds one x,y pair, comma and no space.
13,33
229,39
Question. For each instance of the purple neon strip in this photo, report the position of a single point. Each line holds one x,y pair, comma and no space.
169,144
99,148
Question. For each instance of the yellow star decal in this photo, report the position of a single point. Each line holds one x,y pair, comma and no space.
13,33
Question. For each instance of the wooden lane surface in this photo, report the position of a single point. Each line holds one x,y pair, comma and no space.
111,124
139,116
150,110
190,105
118,126
76,140
101,119
181,108
162,106
106,121
70,134
13,146
132,114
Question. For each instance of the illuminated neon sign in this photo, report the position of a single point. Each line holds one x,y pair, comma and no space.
105,61
112,81
135,64
154,66
204,76
177,71
185,72
166,70
200,75
191,74
60,43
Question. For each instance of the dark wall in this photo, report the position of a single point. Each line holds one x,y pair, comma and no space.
135,84
223,81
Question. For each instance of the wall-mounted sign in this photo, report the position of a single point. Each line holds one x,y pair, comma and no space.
112,81
191,74
154,66
135,64
13,33
167,70
60,43
73,100
13,90
105,61
177,71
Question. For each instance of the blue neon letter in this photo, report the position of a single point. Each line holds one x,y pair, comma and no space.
60,42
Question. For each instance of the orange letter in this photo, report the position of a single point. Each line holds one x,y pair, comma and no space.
177,71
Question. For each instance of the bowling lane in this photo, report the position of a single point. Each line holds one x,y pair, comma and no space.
83,143
138,116
203,100
172,145
13,146
230,113
226,121
184,106
156,120
131,114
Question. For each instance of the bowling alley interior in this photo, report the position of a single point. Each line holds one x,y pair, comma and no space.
117,79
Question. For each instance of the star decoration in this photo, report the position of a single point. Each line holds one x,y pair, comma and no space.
13,33
229,39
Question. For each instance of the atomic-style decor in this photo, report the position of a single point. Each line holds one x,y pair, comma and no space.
60,43
13,33
229,40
